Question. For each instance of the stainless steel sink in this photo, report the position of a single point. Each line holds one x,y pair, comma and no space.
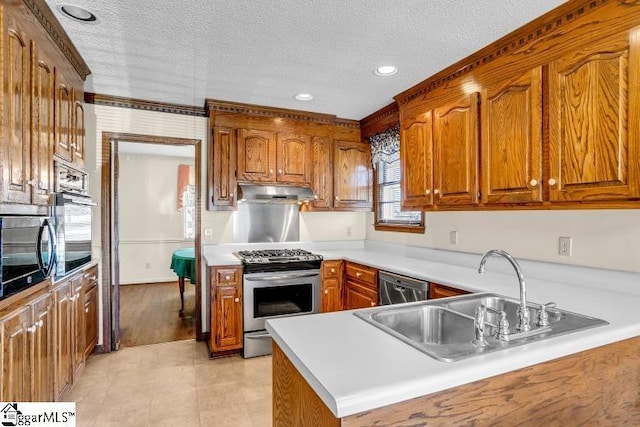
444,328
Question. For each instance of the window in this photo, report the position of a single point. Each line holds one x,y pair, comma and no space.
189,211
385,149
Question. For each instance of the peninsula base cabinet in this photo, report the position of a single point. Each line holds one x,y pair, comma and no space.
226,309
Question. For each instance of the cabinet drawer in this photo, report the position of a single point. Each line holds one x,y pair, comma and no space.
331,269
361,273
226,276
437,290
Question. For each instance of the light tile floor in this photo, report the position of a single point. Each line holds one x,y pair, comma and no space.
173,384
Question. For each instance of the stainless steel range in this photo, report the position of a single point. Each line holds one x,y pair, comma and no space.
277,283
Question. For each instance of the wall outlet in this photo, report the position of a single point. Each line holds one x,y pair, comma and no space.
349,230
147,265
453,237
565,246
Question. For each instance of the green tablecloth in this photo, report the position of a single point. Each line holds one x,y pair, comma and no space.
183,263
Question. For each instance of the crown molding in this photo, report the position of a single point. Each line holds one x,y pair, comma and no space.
263,111
381,120
50,23
140,104
523,36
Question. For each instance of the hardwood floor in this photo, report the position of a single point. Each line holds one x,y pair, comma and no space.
149,314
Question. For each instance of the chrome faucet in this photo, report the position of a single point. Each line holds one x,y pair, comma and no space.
523,311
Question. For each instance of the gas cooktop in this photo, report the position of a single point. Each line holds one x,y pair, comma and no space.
267,256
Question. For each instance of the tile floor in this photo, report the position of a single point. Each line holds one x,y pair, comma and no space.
173,384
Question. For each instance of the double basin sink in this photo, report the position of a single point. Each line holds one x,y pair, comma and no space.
445,328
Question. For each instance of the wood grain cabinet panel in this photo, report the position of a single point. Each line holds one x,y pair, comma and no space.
416,158
441,291
352,176
16,161
361,286
593,118
293,158
42,356
78,145
331,292
256,155
62,306
226,309
64,115
15,328
90,317
77,325
322,173
456,152
512,140
222,169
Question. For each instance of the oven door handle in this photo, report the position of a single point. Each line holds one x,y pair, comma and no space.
258,336
46,268
78,200
248,278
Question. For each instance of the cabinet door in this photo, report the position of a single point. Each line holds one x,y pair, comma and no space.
16,146
331,295
456,152
594,111
293,158
256,155
512,140
222,172
62,299
352,176
77,321
42,349
322,173
63,117
357,296
441,291
229,318
15,329
42,127
90,320
78,146
416,158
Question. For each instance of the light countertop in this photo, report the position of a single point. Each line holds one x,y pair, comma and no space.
353,366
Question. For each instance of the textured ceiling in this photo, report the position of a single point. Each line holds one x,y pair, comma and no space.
265,51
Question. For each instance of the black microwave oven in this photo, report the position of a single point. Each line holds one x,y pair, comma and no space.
27,249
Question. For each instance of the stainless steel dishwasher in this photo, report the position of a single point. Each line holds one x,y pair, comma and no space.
396,289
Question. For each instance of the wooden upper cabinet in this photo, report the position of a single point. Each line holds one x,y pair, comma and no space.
512,140
256,155
42,127
322,173
593,122
222,169
352,175
16,159
78,146
456,152
416,158
64,115
293,158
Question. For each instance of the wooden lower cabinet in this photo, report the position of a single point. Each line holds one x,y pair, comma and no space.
77,321
42,358
437,290
331,288
15,355
226,308
361,286
62,299
90,319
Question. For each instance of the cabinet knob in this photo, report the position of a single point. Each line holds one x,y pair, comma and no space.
436,191
337,197
373,304
227,277
333,270
279,171
326,291
270,170
237,300
86,310
31,182
552,182
427,191
533,182
315,197
358,274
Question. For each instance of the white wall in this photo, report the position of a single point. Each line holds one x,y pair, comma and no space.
601,238
151,227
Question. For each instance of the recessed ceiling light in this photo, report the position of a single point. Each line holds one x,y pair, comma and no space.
304,97
77,13
386,70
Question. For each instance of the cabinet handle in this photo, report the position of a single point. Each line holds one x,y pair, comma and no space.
358,274
373,304
31,329
326,291
333,270
40,323
337,197
279,171
31,182
270,171
86,310
533,182
315,197
227,277
552,182
427,191
237,300
436,191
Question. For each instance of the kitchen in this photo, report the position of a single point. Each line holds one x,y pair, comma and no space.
602,238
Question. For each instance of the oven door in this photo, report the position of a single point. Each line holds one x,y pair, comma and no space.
73,227
281,294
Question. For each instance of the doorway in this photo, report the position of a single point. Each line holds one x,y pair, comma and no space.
148,299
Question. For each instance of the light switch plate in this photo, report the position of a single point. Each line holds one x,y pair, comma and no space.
453,237
565,246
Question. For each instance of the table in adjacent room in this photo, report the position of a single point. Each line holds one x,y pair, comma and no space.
183,263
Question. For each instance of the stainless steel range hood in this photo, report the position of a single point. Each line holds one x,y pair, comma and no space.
277,194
